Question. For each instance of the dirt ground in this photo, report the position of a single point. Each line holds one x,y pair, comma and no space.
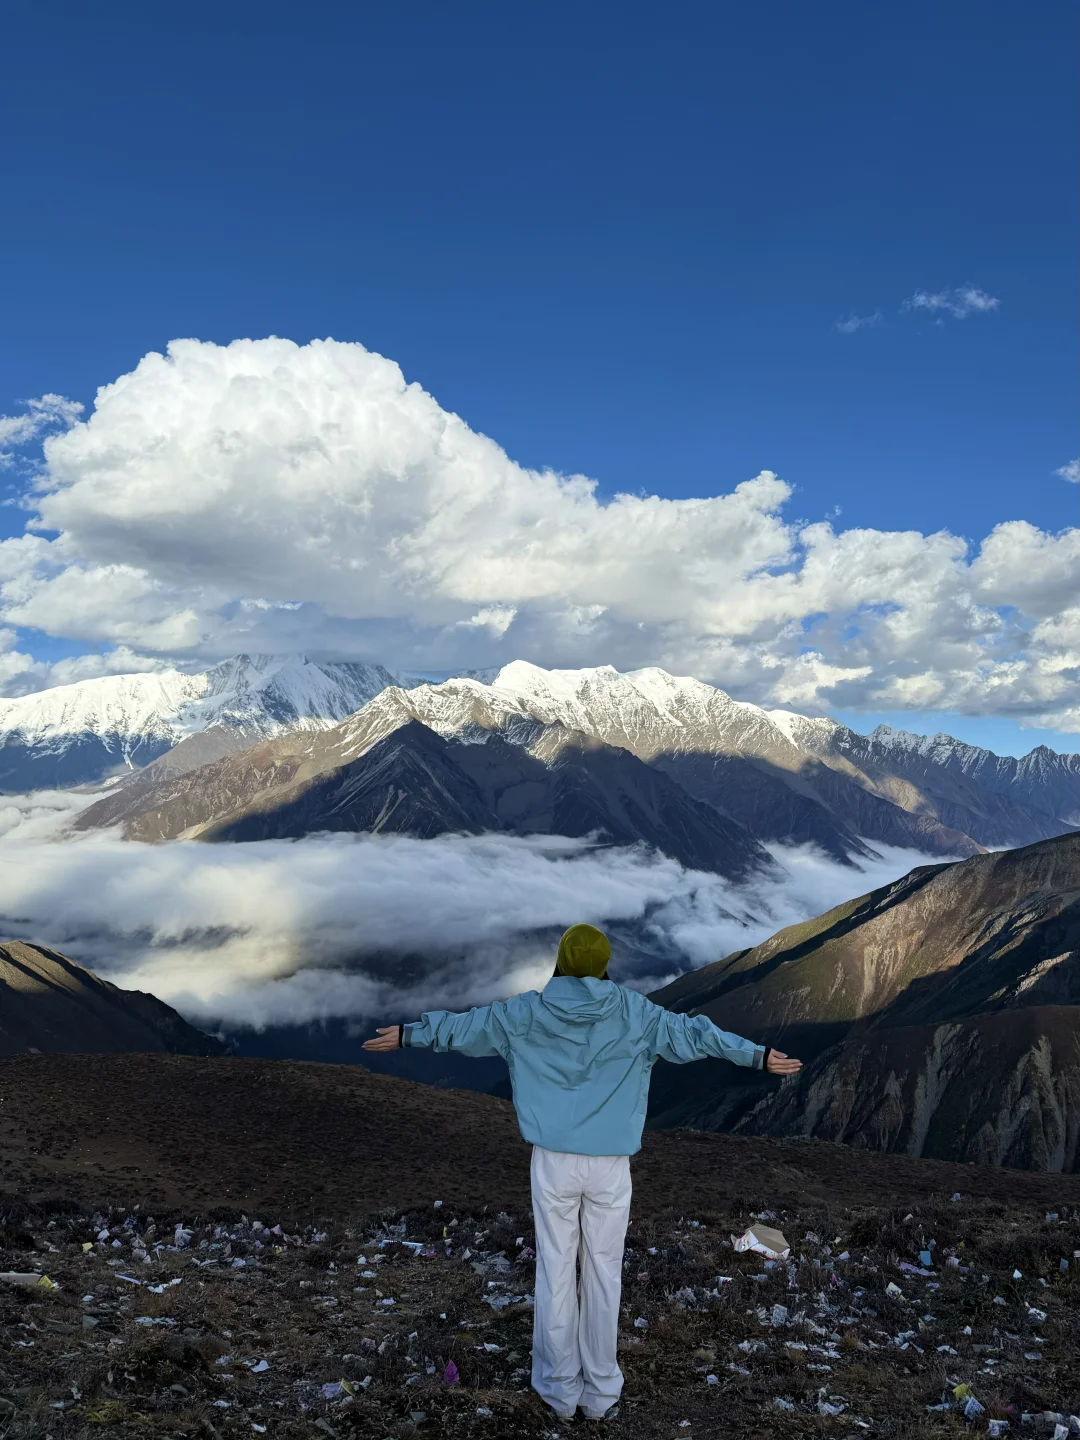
318,1142
249,1247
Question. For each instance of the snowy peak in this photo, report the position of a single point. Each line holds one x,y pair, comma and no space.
272,693
939,744
973,796
1040,760
269,692
649,712
81,733
1043,780
815,735
139,704
452,709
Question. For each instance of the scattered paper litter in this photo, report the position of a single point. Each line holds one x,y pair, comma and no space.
763,1240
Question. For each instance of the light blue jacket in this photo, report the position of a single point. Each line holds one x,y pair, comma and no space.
581,1053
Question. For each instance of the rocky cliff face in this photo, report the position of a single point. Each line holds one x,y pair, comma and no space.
49,1002
1000,1089
940,1016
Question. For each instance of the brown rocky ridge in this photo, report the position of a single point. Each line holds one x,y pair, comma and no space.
50,1002
940,1015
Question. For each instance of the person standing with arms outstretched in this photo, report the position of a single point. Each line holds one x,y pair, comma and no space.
580,1053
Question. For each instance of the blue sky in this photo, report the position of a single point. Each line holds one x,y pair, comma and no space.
617,239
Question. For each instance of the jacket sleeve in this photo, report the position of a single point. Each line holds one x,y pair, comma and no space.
682,1038
483,1031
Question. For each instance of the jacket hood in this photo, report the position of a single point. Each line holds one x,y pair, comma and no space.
580,1001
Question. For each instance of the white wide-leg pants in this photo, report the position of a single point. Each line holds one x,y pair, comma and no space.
581,1204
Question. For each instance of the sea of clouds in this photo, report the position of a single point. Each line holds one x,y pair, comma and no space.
363,927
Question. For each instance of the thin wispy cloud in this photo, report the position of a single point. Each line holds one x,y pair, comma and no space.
1070,471
959,303
853,323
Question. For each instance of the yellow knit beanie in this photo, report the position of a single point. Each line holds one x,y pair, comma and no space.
584,950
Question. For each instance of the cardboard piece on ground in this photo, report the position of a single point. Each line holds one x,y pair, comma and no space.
763,1240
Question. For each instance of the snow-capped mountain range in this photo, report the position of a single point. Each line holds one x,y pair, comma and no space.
78,734
1043,779
783,776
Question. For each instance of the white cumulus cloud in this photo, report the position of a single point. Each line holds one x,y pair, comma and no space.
268,496
1070,471
22,674
46,413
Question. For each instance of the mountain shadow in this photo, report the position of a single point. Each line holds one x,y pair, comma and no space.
811,806
416,782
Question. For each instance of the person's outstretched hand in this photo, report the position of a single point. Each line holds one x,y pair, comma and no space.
778,1064
387,1037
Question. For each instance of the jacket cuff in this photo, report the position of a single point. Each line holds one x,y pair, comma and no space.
406,1037
761,1054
